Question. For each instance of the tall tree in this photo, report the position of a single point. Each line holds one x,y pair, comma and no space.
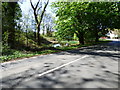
11,13
38,19
71,18
105,15
86,18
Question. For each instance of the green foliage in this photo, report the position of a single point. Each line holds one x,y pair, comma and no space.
11,14
12,54
85,20
88,20
69,42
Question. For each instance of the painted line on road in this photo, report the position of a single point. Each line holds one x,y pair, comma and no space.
49,71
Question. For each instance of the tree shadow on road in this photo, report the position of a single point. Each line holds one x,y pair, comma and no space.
111,49
50,81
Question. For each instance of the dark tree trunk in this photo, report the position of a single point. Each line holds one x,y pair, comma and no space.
43,30
38,35
96,36
35,34
47,28
11,14
80,36
81,39
11,38
27,37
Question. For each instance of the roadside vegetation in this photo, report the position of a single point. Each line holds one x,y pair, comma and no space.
76,25
13,54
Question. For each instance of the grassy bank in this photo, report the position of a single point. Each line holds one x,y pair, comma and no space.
11,54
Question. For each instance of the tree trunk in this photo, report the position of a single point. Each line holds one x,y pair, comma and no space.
96,36
26,37
11,14
35,36
47,28
80,36
11,38
43,29
81,39
38,35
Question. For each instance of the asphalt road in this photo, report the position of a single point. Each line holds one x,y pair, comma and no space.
87,67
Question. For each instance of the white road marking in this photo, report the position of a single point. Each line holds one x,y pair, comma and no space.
49,71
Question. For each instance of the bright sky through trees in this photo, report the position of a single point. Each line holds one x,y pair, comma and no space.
25,6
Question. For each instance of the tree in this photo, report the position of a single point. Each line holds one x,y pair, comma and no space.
104,15
38,19
86,19
11,13
72,18
48,24
26,26
65,30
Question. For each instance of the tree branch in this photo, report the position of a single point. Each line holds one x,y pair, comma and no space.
37,4
38,10
43,12
32,5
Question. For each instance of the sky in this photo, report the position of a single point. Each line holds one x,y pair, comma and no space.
25,6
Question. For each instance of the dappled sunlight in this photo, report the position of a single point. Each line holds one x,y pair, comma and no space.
97,69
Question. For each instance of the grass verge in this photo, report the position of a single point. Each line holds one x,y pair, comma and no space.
16,54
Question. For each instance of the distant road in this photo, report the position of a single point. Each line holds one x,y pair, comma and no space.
114,39
87,67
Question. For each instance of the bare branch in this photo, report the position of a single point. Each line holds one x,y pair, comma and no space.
38,23
32,5
37,4
43,12
38,10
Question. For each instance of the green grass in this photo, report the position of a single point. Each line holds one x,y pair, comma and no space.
19,54
104,40
70,42
10,54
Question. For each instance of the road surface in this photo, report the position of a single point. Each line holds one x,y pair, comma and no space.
87,67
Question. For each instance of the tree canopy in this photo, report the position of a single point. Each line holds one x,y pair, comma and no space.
88,20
